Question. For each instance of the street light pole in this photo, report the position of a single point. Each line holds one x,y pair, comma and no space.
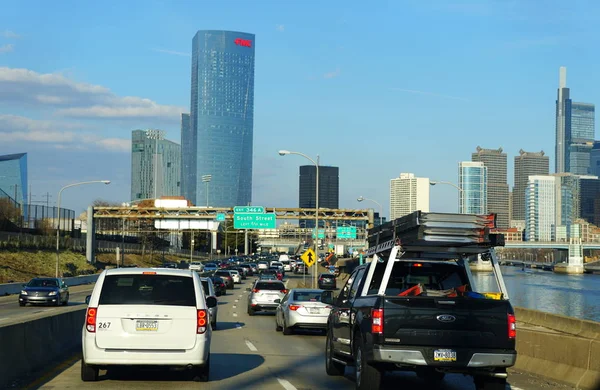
460,190
286,152
58,214
361,198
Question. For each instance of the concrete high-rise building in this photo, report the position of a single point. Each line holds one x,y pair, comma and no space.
221,119
581,140
155,164
472,180
595,159
563,125
408,194
526,164
329,189
497,186
13,177
540,208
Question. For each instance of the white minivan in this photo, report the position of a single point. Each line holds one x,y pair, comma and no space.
147,317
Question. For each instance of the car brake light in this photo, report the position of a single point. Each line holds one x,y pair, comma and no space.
377,322
284,291
417,265
512,326
201,321
295,307
255,290
149,273
90,320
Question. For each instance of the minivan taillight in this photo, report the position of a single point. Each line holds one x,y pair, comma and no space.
377,321
90,319
202,320
512,326
284,291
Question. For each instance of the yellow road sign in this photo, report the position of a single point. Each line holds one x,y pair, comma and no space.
309,257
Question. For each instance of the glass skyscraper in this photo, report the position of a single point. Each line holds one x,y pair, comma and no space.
154,163
329,189
13,176
581,139
472,180
595,159
220,137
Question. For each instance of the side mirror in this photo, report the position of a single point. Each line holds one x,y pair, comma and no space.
327,297
87,299
277,301
211,302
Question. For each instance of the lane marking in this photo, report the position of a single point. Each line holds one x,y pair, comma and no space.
239,296
237,300
251,346
286,385
234,306
235,314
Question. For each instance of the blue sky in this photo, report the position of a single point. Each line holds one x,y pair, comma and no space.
376,89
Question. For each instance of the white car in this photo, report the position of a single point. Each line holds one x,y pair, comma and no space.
196,266
287,266
277,264
147,317
263,265
301,308
237,278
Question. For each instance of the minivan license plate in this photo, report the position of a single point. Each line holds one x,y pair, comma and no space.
444,355
146,326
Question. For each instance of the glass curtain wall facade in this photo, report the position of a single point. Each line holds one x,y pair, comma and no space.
146,156
590,200
221,119
540,214
329,189
13,176
563,124
595,159
472,180
582,138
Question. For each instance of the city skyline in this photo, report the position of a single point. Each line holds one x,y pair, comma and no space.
310,90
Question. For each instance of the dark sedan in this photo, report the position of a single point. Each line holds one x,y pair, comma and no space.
49,291
327,282
226,276
219,284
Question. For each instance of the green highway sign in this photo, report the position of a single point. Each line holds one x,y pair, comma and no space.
220,217
321,233
255,221
346,232
249,210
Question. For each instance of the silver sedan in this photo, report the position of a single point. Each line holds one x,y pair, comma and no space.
301,308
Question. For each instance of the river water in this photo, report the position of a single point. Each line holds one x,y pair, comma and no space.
570,295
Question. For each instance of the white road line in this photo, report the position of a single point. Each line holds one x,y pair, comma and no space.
252,347
235,314
239,296
234,306
237,300
286,385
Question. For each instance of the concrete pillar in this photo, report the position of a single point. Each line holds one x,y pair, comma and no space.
90,247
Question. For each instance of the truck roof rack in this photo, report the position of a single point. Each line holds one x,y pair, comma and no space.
436,234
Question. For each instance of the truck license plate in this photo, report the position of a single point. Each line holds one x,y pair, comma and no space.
444,355
146,326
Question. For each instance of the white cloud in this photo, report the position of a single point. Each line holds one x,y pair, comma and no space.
331,75
429,94
173,52
280,27
23,86
62,135
10,34
7,48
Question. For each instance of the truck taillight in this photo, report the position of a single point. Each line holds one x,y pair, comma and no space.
202,321
377,321
512,326
90,319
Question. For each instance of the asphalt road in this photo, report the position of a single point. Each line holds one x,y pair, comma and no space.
11,311
247,353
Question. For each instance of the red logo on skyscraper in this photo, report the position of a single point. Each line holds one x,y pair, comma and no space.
243,42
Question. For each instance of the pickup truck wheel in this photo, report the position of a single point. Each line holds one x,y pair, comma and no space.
487,383
332,367
367,376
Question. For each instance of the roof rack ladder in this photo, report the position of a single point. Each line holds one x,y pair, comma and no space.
388,269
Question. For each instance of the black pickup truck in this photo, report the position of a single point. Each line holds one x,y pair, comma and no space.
426,319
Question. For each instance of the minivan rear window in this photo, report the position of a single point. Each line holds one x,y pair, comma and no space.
136,289
269,286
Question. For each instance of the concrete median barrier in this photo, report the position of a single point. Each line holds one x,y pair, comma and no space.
28,347
15,288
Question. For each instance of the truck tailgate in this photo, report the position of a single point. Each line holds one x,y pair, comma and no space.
447,322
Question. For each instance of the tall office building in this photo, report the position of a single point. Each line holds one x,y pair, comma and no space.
329,189
187,164
595,159
526,164
563,125
472,180
540,212
13,176
589,204
408,194
581,139
155,166
221,119
497,186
